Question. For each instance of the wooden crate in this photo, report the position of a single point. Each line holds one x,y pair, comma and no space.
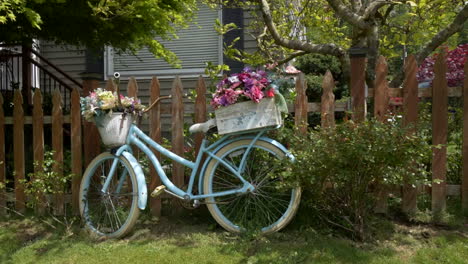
248,116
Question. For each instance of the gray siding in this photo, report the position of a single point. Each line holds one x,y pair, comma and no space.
70,59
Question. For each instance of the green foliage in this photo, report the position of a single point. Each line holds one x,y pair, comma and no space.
47,180
124,25
343,168
315,66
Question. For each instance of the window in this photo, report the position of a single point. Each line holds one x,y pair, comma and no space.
196,45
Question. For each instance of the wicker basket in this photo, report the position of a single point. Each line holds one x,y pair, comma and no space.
247,116
114,128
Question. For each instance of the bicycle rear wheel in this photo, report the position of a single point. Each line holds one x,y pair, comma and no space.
113,213
269,208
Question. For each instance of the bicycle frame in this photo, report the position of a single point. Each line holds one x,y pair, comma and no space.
141,140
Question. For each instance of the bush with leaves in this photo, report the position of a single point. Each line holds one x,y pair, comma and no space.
342,169
47,180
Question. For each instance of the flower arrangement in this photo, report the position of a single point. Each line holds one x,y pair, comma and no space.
100,102
244,86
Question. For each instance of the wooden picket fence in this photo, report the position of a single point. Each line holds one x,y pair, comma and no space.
85,140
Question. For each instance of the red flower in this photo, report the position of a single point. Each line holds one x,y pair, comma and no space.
270,93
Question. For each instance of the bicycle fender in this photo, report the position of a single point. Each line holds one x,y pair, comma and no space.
140,177
266,139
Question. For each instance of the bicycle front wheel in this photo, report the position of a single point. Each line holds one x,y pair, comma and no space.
112,213
268,208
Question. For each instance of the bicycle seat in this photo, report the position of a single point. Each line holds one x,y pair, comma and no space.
202,127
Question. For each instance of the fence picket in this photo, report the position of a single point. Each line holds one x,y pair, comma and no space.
155,134
300,106
2,160
132,87
76,149
110,86
38,142
439,135
380,113
18,138
200,110
57,147
410,117
464,187
357,84
177,133
328,101
91,137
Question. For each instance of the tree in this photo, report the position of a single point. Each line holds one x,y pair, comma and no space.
288,29
124,25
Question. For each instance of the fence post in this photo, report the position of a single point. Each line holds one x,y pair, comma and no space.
327,105
177,111
301,107
38,142
200,110
439,136
76,149
410,117
2,160
358,83
155,134
132,91
18,143
380,113
110,86
57,147
464,187
91,137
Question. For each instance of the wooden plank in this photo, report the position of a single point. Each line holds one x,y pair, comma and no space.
200,111
2,160
110,86
91,137
300,117
464,186
422,92
410,117
439,136
327,115
18,143
132,88
381,90
38,143
177,134
380,113
76,149
155,134
358,86
57,147
29,120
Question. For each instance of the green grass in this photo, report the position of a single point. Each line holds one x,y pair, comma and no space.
179,241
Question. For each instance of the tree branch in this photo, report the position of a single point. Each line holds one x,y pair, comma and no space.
443,35
330,49
373,7
292,56
436,41
345,13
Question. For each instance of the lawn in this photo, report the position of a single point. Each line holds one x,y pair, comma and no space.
171,240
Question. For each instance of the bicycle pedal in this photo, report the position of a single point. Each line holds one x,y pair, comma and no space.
158,190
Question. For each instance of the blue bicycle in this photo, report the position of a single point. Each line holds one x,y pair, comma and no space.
237,182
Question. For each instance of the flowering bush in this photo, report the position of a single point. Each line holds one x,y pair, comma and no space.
243,86
101,102
455,61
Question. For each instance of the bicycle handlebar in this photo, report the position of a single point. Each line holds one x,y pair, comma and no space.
156,102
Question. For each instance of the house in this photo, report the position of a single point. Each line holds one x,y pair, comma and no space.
196,45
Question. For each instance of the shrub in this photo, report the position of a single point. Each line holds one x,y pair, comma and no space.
342,169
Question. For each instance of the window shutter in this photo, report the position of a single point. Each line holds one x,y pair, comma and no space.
196,45
236,16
